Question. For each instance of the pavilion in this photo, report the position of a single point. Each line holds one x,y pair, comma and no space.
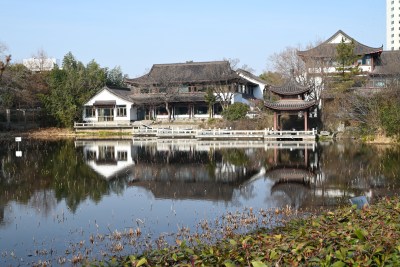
292,101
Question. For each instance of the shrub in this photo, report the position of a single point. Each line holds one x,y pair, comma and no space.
235,111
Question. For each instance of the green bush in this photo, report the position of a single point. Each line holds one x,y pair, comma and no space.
235,111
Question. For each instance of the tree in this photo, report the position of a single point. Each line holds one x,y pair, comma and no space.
224,83
346,57
4,59
210,99
115,77
307,71
272,77
235,111
70,87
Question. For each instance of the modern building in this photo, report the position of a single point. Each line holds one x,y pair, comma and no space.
40,64
392,24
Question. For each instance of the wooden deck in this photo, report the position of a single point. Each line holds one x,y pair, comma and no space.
224,134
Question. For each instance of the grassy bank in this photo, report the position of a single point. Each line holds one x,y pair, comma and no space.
345,237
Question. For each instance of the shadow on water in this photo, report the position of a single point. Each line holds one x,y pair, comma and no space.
74,192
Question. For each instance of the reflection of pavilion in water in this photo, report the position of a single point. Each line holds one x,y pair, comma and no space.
169,170
293,171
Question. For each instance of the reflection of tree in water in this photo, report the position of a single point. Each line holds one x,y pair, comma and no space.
246,192
47,173
1,214
43,201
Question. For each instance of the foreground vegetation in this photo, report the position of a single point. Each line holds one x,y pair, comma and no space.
345,237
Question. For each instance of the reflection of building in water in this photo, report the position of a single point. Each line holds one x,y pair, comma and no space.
169,170
188,173
108,158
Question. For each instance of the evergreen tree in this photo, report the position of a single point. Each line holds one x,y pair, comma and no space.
346,57
70,87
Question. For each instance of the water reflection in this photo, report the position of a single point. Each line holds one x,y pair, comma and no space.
68,190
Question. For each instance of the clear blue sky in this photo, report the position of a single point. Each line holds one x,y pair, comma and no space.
136,34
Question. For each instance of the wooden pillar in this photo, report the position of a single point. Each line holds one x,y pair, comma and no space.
305,121
275,121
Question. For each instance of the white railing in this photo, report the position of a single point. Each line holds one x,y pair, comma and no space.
109,124
223,133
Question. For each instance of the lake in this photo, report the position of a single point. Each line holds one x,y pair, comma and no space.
64,201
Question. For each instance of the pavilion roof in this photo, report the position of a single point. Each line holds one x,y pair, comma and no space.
290,87
290,174
327,49
289,104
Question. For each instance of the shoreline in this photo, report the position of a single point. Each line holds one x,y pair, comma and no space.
55,133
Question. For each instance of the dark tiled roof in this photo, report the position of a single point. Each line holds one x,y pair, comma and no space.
290,87
251,75
387,64
328,50
124,93
289,104
186,73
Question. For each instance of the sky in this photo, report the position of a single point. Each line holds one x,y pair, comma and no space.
137,34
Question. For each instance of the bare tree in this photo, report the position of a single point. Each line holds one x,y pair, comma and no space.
224,83
309,71
165,88
4,59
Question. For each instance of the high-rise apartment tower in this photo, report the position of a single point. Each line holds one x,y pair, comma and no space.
393,24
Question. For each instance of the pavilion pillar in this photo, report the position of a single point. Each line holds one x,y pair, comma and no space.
305,121
275,121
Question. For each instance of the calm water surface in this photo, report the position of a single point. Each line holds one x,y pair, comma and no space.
66,199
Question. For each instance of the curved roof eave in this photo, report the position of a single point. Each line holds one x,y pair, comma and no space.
289,105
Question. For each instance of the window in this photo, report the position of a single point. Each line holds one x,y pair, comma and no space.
122,155
90,155
181,111
201,110
90,112
121,111
183,89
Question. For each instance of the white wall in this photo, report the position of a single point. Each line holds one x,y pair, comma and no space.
105,95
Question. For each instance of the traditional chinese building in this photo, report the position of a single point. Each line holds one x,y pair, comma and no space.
290,98
322,58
